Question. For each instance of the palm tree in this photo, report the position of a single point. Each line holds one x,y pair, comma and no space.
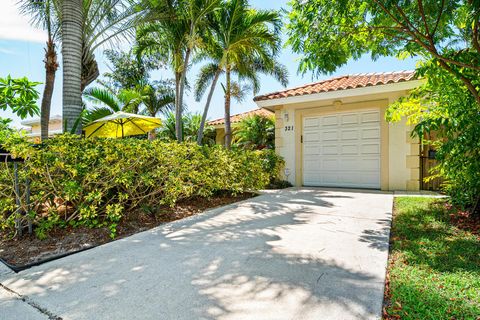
99,21
72,22
156,98
190,127
106,102
243,41
175,36
45,15
106,21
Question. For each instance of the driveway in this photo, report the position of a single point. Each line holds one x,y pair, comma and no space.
290,254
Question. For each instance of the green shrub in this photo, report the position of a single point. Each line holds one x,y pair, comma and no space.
96,182
272,164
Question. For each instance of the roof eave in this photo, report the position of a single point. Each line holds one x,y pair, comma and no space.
269,104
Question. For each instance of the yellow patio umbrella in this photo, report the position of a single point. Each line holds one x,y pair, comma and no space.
120,125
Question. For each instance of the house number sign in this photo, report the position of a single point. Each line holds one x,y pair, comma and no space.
288,128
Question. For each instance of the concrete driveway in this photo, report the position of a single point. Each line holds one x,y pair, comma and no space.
291,254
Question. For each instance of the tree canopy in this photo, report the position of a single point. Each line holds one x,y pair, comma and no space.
327,33
19,95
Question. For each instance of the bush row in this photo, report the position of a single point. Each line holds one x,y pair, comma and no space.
96,182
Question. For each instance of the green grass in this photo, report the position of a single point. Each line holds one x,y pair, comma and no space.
434,267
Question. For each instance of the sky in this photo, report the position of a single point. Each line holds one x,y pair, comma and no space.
22,53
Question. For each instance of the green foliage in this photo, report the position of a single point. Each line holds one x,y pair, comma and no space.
256,132
190,127
19,95
272,164
434,267
443,109
128,70
329,33
147,98
97,182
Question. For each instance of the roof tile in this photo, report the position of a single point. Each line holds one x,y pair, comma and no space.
341,83
238,117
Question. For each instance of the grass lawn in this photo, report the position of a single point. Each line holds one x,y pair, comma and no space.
434,267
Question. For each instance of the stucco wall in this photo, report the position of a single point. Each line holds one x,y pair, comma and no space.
53,125
399,153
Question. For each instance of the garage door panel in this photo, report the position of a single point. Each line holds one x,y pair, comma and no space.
329,121
329,135
370,133
346,153
351,134
349,149
349,119
311,136
328,165
373,116
370,148
311,122
329,150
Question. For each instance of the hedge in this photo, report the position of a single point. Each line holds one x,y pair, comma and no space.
96,182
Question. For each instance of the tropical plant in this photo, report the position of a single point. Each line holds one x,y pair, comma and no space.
19,96
243,41
190,127
89,25
72,22
158,97
255,133
174,35
45,15
107,102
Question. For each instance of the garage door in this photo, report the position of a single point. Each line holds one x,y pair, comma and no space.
342,150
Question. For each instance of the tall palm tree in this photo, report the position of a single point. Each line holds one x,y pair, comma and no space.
71,23
175,35
100,21
241,41
45,15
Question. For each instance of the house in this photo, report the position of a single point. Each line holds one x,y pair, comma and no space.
219,124
333,133
54,127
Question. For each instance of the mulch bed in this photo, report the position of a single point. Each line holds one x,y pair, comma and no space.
29,249
464,220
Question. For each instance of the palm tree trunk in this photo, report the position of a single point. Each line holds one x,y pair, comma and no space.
179,106
178,76
51,66
205,110
228,128
72,22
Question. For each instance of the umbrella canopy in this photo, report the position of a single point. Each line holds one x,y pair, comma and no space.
121,124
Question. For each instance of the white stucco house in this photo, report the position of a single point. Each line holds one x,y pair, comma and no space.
34,130
333,132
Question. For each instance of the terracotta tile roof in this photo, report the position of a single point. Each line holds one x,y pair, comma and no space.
341,83
238,117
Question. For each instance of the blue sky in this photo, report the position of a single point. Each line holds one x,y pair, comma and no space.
22,50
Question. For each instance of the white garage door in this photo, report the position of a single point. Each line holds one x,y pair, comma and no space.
342,150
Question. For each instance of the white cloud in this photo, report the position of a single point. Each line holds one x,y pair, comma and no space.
6,51
14,26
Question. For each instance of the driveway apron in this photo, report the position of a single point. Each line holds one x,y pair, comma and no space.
305,253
